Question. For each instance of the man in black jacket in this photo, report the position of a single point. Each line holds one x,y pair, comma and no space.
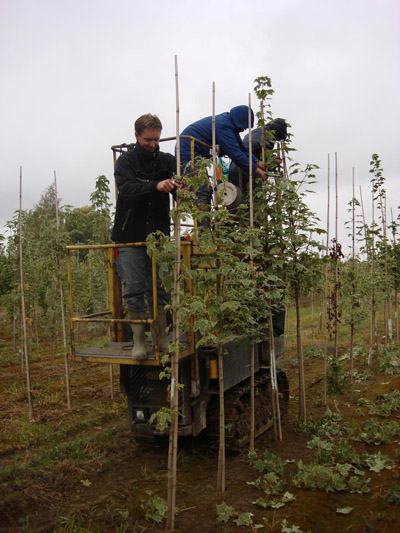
144,180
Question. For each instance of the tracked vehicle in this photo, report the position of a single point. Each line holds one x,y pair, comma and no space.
199,397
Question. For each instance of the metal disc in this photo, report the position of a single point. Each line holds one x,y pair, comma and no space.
231,194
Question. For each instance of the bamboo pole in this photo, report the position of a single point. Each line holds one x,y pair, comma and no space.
372,343
21,344
66,362
312,312
364,223
221,386
276,412
326,288
370,250
252,362
336,290
382,202
14,327
24,329
300,356
396,314
214,149
173,436
353,248
388,284
221,450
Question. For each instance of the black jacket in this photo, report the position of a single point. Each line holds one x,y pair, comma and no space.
141,209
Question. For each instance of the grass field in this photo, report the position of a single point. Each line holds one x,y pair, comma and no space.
79,470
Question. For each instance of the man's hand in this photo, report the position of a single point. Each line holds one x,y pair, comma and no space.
166,185
261,174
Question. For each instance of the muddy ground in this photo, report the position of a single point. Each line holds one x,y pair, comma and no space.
80,470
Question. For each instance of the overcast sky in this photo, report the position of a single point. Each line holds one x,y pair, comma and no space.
77,73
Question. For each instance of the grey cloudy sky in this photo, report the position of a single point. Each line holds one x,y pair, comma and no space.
76,74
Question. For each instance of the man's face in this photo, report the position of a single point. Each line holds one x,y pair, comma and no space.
149,139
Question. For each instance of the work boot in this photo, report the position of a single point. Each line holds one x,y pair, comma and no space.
139,340
162,324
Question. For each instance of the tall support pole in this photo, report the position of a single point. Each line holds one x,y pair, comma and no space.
336,302
386,315
396,314
214,150
353,266
252,362
372,343
23,312
221,482
173,436
64,332
326,286
388,291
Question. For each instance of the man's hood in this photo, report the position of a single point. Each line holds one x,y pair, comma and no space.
240,117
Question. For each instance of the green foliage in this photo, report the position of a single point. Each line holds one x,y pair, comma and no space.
269,483
377,462
344,510
324,449
330,478
267,462
345,453
355,291
162,418
393,496
374,432
386,403
329,425
155,509
287,497
245,519
43,245
314,476
285,528
225,512
336,378
388,359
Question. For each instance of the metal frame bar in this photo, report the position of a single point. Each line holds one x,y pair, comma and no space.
116,323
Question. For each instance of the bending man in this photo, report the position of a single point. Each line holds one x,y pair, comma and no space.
228,126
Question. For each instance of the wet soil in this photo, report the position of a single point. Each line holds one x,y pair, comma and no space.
80,469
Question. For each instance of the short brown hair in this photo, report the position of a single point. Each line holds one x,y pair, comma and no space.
147,121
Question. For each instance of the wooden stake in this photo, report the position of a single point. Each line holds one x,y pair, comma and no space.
221,483
372,343
396,314
252,355
276,412
388,287
64,331
326,290
300,356
23,312
382,202
221,451
336,263
173,436
214,150
353,303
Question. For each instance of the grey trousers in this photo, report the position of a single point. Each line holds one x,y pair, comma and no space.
134,269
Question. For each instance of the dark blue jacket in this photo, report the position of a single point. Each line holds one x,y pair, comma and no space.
227,129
